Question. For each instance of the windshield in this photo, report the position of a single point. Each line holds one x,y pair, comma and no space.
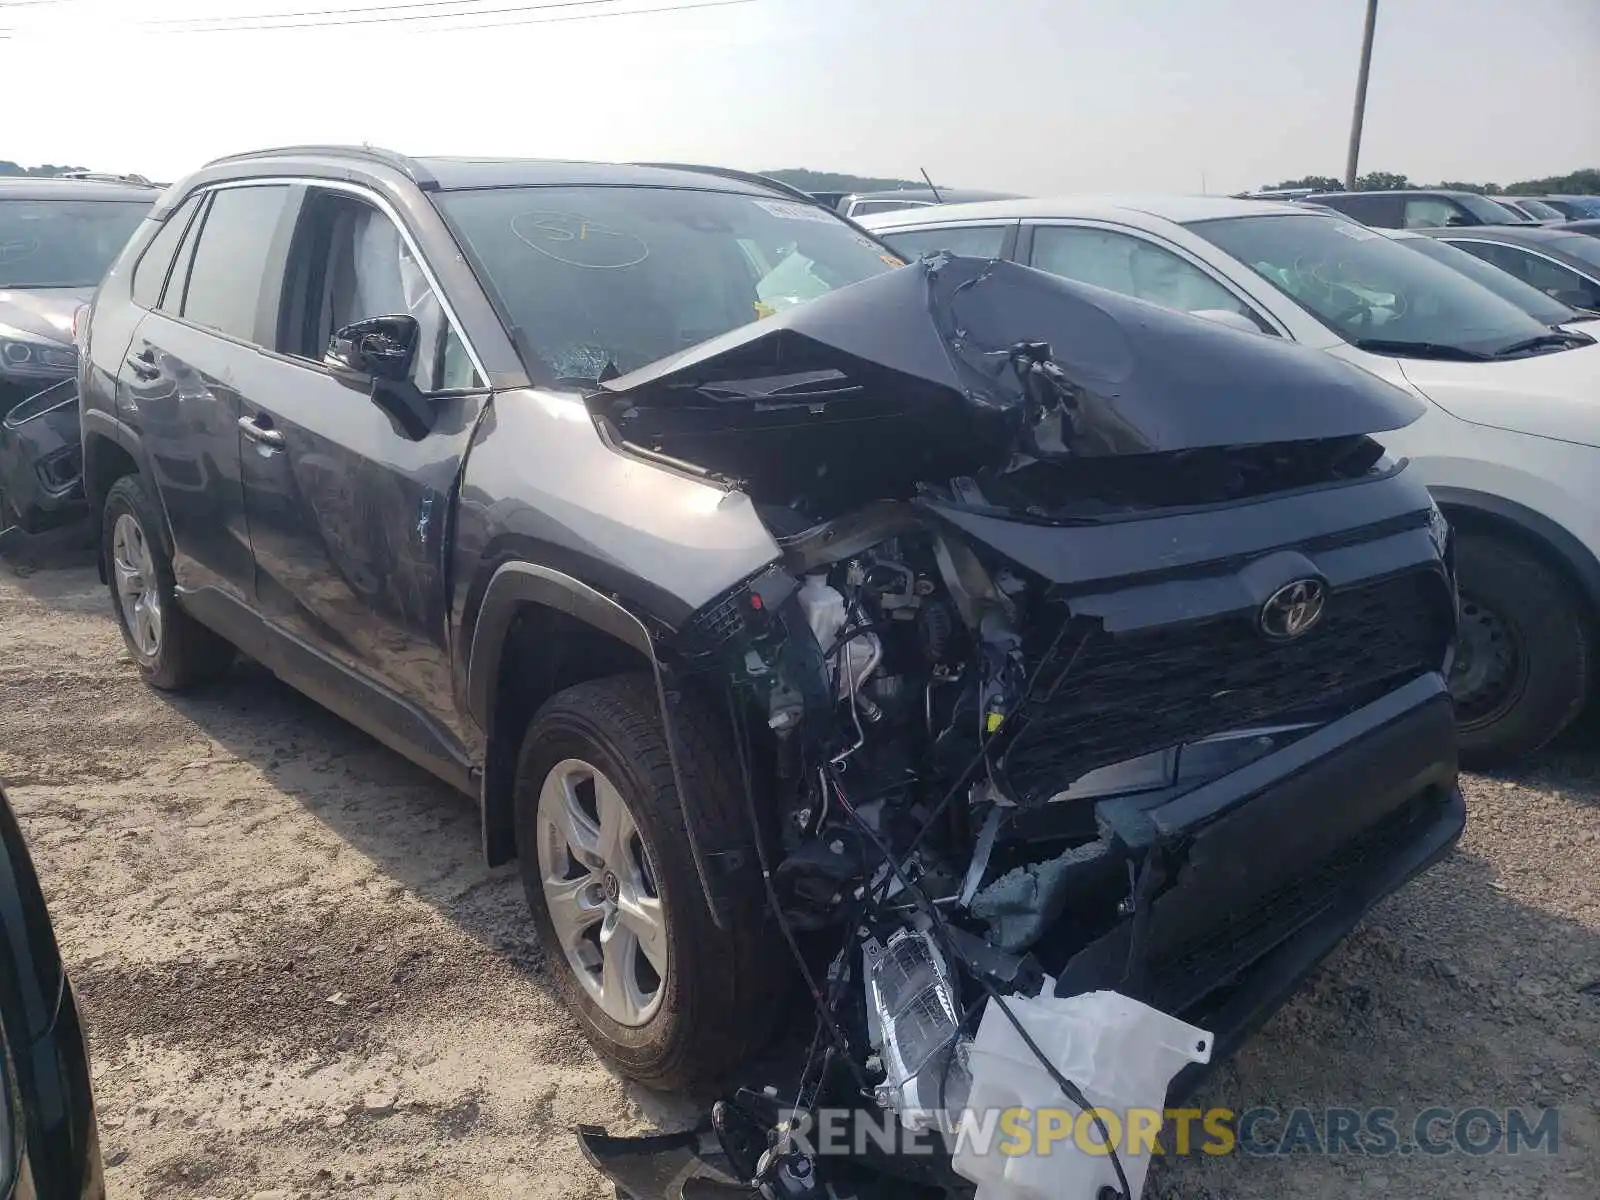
1539,210
1582,247
1368,290
63,243
1529,299
601,279
1491,212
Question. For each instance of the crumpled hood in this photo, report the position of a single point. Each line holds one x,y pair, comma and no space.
45,313
1042,367
1546,395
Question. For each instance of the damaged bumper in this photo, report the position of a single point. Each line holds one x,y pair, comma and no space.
1271,866
41,464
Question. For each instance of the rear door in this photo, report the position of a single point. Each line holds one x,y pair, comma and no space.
348,514
185,368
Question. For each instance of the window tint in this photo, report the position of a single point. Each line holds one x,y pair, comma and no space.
150,276
1553,279
974,241
1131,265
230,259
1433,212
1381,211
364,268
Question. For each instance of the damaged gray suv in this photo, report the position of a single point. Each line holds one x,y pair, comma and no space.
790,611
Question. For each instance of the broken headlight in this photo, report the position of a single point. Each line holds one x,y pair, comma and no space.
914,1021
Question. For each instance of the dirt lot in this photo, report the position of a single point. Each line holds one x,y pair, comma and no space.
299,980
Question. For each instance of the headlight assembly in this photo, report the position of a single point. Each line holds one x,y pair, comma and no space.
24,356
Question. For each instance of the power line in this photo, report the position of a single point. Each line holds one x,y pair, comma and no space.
379,9
512,11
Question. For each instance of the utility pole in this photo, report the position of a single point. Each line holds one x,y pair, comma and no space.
1361,98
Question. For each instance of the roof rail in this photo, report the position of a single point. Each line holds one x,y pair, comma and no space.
107,177
407,166
766,181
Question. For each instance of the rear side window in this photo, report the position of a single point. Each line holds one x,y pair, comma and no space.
973,241
1383,212
230,259
150,276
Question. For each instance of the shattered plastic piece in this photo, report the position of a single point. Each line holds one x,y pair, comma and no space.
1121,1054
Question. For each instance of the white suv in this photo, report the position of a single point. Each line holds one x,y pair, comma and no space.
1510,444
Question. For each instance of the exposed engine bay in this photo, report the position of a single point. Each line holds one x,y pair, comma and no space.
969,714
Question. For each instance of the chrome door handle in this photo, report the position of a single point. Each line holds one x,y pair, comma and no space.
266,437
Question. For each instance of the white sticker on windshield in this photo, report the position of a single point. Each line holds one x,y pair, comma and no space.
1356,233
789,211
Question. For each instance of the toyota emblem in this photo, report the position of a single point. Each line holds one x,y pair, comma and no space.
1293,609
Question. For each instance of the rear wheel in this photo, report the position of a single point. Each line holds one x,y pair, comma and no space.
605,859
1522,664
171,649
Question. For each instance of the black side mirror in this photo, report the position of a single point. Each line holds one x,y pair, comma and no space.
378,354
379,347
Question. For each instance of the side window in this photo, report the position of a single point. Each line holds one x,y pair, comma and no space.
974,241
1119,262
1434,212
230,259
150,276
358,266
1381,212
1553,279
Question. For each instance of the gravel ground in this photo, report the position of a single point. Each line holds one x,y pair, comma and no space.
299,980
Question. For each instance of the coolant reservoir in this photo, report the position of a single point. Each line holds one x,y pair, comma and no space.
1120,1053
827,615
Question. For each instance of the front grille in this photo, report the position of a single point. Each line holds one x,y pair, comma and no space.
1130,695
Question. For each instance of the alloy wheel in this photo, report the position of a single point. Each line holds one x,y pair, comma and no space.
601,893
138,590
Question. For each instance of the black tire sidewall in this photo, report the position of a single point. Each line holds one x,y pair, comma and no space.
1551,629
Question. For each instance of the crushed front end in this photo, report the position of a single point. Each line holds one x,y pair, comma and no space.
1144,695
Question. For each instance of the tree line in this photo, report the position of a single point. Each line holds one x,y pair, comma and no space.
1578,183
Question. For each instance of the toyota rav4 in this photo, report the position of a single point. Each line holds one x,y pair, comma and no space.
929,633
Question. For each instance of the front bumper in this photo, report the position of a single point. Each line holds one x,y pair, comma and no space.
1272,867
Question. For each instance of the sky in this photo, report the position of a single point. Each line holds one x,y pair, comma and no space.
1033,96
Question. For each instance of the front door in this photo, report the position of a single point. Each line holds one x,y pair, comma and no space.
348,514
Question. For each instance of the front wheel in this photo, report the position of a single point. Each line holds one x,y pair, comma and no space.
660,991
1521,672
171,649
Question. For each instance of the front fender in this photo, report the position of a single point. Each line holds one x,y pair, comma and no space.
511,589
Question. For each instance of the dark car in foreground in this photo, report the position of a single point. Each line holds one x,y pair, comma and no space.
762,588
49,1147
1562,263
1414,208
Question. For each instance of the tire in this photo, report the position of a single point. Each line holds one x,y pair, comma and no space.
1522,666
715,998
182,652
